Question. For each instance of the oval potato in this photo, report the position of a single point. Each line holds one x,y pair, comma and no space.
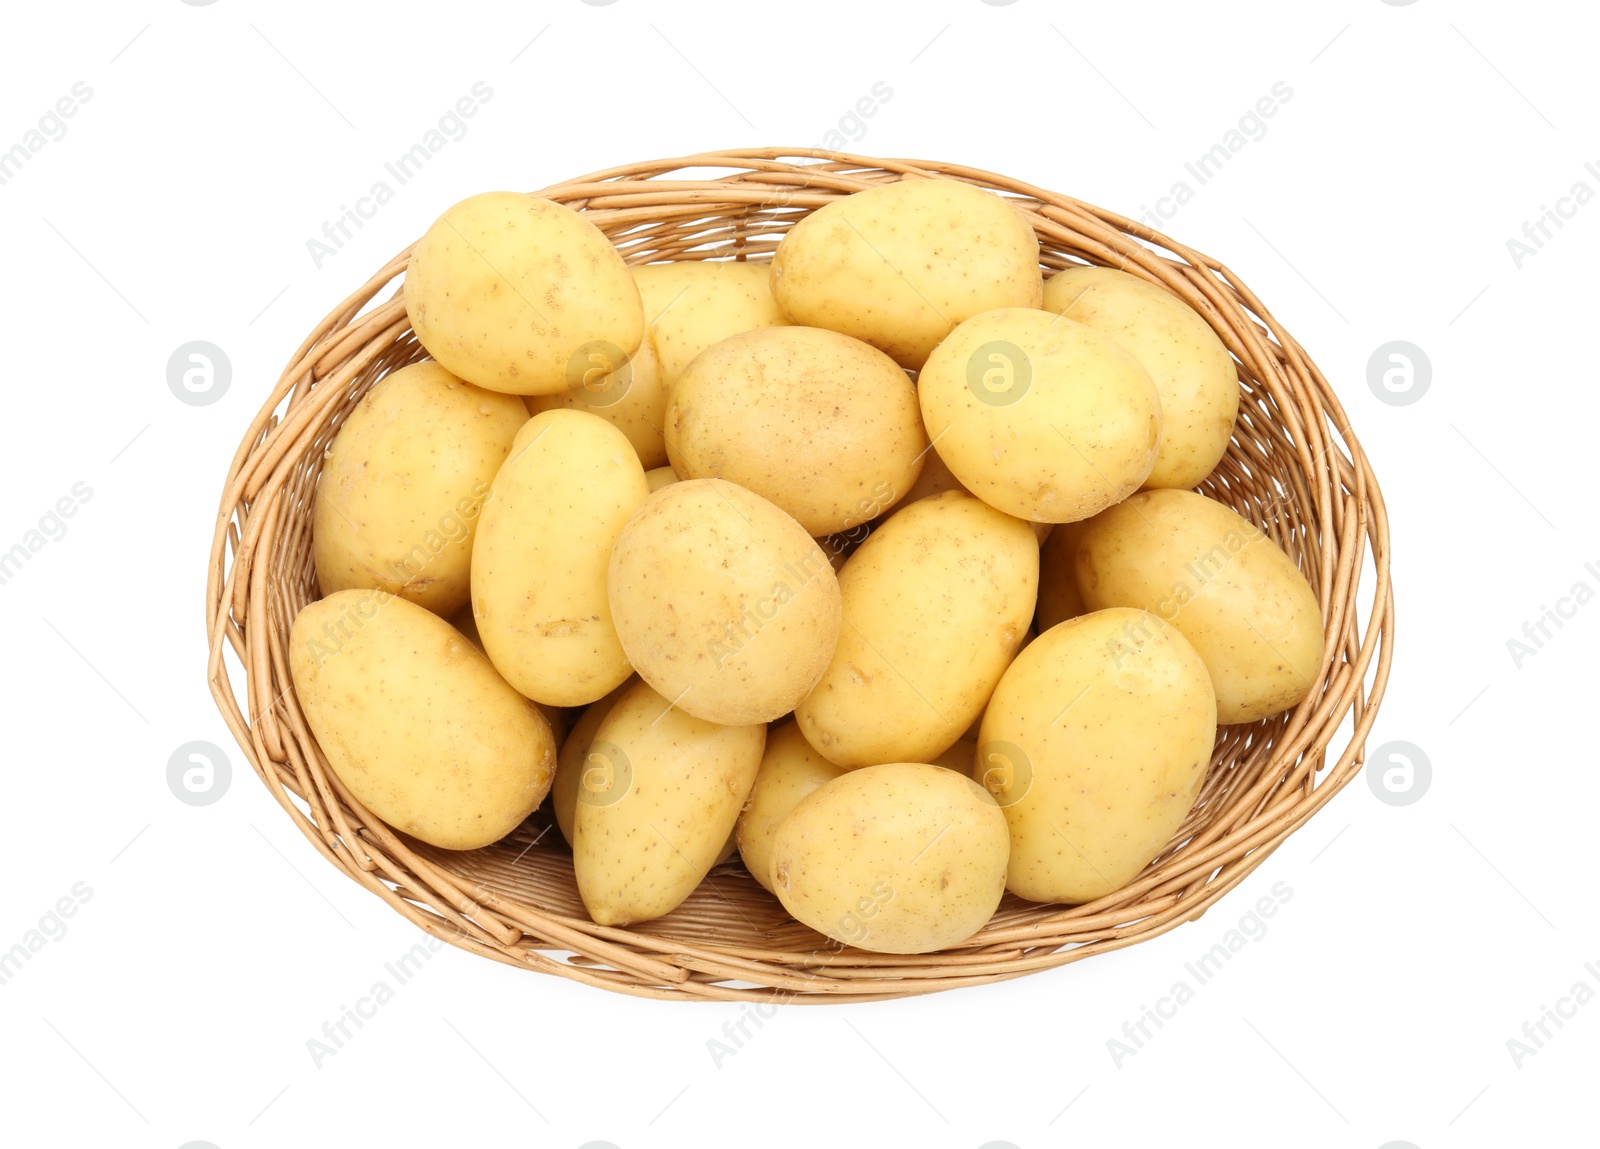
790,769
631,396
1231,591
1095,745
403,482
415,721
691,304
570,761
540,558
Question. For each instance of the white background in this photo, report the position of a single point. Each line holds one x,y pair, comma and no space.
218,139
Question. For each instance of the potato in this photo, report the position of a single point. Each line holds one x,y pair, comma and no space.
658,477
1059,599
722,602
1232,592
1039,416
402,484
1192,371
691,304
660,793
790,770
1095,745
516,294
630,396
898,858
571,757
900,265
463,621
936,478
415,721
935,603
539,560
818,423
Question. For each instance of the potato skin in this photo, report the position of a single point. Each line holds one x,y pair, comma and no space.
1039,416
659,795
790,770
691,304
903,857
898,266
511,292
824,426
631,396
570,758
540,557
722,602
1095,744
1192,371
402,485
415,721
1231,591
936,603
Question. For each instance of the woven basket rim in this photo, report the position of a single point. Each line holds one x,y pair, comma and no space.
1295,468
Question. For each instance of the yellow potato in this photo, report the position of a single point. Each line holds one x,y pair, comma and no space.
633,397
899,265
659,794
936,602
790,770
518,294
1040,416
898,858
463,621
659,477
403,482
570,760
691,304
415,721
1059,599
722,602
936,479
1095,745
1232,592
818,423
1193,372
539,560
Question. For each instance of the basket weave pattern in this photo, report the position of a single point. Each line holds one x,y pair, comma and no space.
1294,468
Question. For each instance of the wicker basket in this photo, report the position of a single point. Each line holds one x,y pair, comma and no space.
1294,467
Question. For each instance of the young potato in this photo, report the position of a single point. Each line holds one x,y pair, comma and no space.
571,757
539,560
935,479
790,770
1193,372
691,304
415,721
900,858
632,397
1040,416
1095,745
463,621
722,602
518,294
402,484
820,424
899,265
1232,592
1059,599
658,796
936,602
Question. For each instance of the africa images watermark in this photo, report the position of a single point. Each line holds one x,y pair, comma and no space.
50,528
763,610
1538,631
1542,228
50,128
340,1030
51,927
1250,128
1538,1032
450,128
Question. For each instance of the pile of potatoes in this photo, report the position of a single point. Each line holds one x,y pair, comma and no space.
878,565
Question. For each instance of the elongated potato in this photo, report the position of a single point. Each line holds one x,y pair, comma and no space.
820,424
1192,370
790,769
898,266
416,722
1231,591
1095,745
403,483
463,621
691,304
722,602
570,759
936,603
540,557
1040,416
899,858
659,794
630,395
516,293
